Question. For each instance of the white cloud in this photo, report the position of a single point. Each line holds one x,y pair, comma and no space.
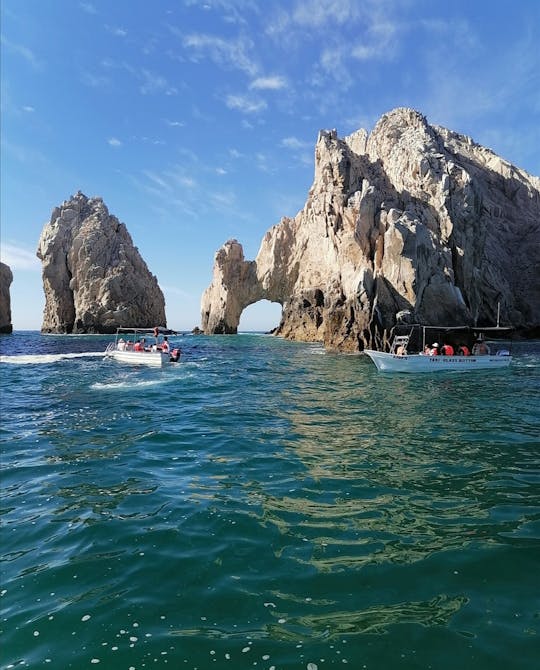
28,108
294,143
225,53
156,179
94,81
155,83
322,12
245,104
19,258
175,124
23,51
114,142
221,171
268,83
88,7
117,32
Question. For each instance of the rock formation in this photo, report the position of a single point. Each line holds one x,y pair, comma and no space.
6,277
410,217
93,277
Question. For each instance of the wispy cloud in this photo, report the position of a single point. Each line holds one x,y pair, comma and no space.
245,104
28,108
23,51
114,142
294,143
117,32
225,53
175,124
154,83
19,258
268,83
94,81
88,7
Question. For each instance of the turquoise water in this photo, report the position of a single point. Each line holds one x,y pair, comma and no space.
263,505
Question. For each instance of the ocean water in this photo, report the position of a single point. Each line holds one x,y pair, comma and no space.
264,504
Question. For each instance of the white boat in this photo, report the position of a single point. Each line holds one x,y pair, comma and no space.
399,359
143,346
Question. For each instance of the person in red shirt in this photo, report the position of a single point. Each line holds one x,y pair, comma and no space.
447,350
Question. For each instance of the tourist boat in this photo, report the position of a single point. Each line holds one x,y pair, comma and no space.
142,346
400,359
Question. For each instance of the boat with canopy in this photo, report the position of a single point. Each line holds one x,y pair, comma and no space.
418,348
143,346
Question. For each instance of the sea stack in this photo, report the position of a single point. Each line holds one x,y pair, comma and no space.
409,219
6,277
94,278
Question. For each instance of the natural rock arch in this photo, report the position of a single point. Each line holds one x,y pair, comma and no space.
411,217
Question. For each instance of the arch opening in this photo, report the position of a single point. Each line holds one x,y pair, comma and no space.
260,317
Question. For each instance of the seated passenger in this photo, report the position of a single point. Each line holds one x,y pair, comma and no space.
447,350
401,351
434,349
165,345
121,344
480,348
138,346
463,350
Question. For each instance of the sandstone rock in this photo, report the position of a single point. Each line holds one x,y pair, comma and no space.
93,277
411,217
6,277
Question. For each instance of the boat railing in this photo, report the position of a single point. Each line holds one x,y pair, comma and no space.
399,341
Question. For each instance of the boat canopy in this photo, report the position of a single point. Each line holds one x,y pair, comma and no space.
147,331
419,334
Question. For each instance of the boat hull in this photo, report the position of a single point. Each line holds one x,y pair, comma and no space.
153,358
413,363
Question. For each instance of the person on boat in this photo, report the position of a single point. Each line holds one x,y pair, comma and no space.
480,348
138,346
464,350
156,333
121,344
165,345
434,349
427,350
129,345
447,349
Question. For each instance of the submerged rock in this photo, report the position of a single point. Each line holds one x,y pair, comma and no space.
6,277
410,218
94,278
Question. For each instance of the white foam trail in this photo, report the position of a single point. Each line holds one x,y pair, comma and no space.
116,386
40,359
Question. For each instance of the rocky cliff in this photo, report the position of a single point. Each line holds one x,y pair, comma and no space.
409,217
93,276
6,277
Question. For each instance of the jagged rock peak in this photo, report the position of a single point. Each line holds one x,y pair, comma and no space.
411,217
94,278
6,277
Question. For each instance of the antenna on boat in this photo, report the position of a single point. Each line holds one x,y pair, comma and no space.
498,313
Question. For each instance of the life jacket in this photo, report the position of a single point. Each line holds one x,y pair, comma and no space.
165,347
138,346
464,350
448,350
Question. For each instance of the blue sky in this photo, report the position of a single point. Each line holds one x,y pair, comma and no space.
196,121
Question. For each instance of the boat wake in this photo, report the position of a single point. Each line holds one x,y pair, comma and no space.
41,359
121,386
